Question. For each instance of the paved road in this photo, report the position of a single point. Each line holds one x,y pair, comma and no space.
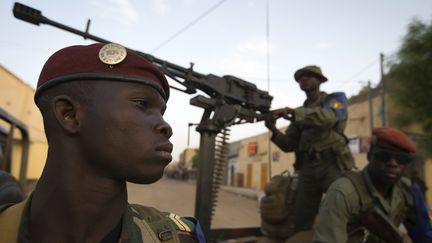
179,197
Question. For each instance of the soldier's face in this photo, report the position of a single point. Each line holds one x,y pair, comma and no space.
124,136
387,167
309,82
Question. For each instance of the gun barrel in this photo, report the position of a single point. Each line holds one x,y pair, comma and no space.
230,88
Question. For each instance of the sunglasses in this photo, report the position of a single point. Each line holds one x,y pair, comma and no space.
385,156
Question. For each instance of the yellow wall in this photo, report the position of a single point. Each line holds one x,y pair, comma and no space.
187,156
16,97
256,161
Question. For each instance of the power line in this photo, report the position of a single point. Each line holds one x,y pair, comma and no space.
188,26
363,69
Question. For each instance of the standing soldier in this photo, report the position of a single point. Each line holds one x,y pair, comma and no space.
316,136
369,206
102,107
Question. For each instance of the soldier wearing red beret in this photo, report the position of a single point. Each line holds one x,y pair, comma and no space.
370,206
102,107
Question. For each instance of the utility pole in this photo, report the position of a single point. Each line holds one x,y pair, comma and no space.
371,118
382,92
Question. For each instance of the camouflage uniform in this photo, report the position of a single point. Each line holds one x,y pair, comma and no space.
138,224
340,210
322,154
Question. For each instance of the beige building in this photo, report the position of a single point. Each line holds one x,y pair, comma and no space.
186,157
16,98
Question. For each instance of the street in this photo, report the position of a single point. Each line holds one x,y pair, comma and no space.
175,196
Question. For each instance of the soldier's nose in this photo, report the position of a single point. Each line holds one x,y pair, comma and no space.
165,129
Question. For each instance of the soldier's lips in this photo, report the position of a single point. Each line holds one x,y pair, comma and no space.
165,155
164,151
391,175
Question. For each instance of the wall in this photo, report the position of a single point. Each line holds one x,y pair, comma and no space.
16,97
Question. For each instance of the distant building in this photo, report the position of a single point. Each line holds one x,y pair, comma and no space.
186,157
16,98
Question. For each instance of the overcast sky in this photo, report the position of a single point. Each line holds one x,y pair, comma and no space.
345,38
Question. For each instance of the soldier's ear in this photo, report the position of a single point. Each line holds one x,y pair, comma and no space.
67,113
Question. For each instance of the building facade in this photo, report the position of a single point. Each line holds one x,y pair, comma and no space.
16,98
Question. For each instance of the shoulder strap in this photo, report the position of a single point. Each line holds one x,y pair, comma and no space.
154,226
359,184
10,219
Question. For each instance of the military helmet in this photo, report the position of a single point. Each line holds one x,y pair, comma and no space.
312,69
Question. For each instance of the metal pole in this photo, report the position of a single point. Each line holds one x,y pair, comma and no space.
371,118
268,84
382,92
203,200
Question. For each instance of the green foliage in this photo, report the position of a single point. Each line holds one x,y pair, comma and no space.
412,74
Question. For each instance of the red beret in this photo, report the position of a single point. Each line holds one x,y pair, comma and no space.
100,62
393,139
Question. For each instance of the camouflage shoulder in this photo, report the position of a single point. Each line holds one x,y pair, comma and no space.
180,223
343,185
186,226
338,102
337,96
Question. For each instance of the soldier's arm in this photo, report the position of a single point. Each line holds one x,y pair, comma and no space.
334,110
289,141
335,211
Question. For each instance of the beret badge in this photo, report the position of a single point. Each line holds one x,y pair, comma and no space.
112,54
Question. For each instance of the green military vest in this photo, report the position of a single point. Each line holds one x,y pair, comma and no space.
154,226
367,202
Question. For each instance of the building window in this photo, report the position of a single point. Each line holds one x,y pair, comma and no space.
252,148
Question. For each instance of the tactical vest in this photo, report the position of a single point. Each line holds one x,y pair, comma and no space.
366,200
153,225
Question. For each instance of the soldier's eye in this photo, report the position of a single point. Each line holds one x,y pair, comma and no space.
142,103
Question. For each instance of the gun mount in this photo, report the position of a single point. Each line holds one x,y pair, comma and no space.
230,101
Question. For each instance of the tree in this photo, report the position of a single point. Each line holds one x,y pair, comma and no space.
412,76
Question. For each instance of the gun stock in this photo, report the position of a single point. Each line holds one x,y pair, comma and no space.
378,223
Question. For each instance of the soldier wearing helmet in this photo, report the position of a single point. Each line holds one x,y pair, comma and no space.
316,136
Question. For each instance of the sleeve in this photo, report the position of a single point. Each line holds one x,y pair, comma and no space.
287,142
418,222
333,217
333,110
188,228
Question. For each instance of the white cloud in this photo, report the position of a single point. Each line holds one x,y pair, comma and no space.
118,10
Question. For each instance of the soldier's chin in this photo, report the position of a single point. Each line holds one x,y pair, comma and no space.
146,179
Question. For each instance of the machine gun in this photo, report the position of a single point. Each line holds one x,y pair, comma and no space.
230,101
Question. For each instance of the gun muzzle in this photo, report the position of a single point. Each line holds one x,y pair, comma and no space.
27,14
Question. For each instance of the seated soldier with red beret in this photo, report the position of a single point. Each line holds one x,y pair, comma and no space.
102,107
369,206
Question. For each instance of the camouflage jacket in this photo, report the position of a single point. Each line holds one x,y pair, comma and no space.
139,224
316,128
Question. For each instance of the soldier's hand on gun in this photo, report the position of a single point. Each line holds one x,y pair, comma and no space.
286,113
270,121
